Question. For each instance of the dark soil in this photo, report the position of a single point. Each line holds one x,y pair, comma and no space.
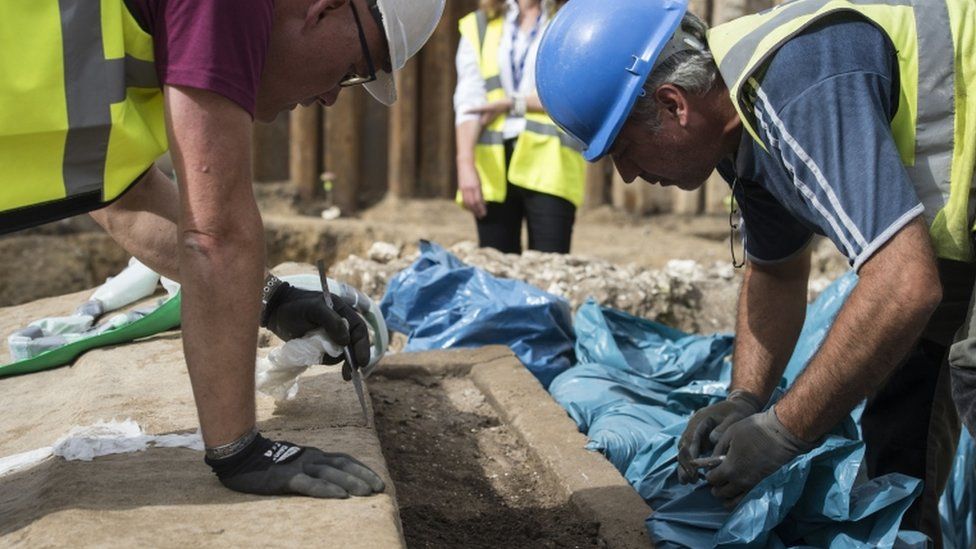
463,478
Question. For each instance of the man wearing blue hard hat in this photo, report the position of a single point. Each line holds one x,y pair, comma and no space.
844,118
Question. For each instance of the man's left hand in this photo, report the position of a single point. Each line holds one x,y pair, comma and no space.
754,448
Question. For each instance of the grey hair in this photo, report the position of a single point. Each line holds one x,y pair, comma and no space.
693,70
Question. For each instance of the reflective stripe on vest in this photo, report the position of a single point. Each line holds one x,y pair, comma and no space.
498,138
938,156
545,158
103,126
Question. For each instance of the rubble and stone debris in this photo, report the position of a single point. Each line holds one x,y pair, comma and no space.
684,294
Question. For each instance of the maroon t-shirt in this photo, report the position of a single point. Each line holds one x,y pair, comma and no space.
215,45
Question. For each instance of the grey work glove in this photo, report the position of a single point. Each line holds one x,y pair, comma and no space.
268,468
292,312
707,426
754,448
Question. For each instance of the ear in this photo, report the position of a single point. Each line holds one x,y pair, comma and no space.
673,103
318,9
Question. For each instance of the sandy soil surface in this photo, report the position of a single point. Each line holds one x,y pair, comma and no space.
168,497
463,478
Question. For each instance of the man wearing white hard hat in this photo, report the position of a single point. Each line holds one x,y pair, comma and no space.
107,87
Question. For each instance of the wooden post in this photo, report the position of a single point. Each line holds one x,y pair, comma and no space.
726,10
622,195
598,177
688,202
640,197
716,193
702,8
269,150
437,80
403,125
304,148
652,198
343,128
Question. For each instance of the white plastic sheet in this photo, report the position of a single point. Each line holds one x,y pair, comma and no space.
134,283
277,374
101,439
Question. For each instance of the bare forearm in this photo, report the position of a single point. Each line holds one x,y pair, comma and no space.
221,256
772,305
144,222
897,292
221,276
466,137
871,335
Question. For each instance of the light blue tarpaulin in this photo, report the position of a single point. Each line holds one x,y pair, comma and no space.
440,303
632,393
958,504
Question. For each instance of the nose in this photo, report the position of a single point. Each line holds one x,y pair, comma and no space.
627,170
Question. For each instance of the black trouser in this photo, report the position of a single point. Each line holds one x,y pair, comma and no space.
549,218
911,426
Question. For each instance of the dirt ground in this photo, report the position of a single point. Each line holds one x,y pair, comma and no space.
74,254
463,478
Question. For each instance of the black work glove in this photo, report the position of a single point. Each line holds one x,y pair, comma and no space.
292,312
707,426
754,448
266,467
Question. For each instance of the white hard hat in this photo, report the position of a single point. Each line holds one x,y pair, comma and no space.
408,25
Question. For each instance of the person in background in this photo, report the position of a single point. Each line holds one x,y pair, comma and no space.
513,162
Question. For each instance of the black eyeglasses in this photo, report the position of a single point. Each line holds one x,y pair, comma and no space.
353,79
734,227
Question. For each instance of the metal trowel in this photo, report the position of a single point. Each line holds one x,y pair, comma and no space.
357,378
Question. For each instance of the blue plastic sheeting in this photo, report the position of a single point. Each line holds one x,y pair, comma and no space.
820,317
440,303
632,393
958,504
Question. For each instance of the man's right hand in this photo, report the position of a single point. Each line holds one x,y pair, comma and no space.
706,427
293,312
268,467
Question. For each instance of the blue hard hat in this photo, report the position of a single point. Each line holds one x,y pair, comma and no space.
594,59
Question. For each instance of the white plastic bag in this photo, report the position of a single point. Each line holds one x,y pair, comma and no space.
135,282
277,374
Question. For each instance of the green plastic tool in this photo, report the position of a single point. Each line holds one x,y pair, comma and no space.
166,317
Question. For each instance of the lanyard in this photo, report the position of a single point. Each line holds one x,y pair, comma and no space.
518,67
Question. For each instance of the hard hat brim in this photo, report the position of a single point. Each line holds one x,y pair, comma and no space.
407,26
383,89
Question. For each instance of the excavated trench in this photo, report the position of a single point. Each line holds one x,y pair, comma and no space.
463,477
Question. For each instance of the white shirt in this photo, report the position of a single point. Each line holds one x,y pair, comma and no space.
470,91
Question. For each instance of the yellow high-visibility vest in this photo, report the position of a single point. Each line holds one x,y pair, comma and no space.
935,124
81,109
545,158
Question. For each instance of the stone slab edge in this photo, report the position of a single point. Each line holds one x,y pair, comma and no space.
447,362
591,482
